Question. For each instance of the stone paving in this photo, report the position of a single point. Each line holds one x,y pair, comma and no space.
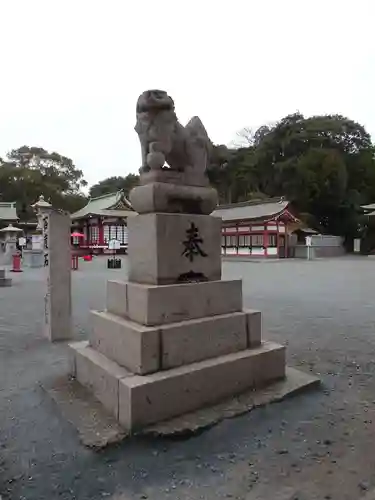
315,446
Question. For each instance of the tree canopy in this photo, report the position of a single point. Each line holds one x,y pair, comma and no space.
324,165
112,184
28,172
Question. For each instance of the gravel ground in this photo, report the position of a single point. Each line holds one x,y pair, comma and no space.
319,444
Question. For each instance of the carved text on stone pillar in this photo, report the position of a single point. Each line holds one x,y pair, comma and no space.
193,243
45,239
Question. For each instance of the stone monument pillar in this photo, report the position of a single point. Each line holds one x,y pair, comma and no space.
175,337
57,262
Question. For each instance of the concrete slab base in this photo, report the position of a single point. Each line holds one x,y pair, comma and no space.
97,428
294,383
138,401
5,282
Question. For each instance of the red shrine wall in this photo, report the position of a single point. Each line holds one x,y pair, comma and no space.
97,232
260,239
239,238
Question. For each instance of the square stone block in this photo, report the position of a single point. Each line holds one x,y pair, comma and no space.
117,298
268,368
98,374
73,347
131,345
144,400
156,305
254,327
171,248
5,282
204,338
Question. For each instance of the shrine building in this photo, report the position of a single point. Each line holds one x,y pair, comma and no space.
103,219
258,228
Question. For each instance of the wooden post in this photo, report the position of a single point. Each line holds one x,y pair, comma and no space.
278,238
286,240
101,231
265,240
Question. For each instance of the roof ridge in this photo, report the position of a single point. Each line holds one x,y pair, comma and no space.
255,201
106,195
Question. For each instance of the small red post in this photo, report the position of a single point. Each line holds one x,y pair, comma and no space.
16,263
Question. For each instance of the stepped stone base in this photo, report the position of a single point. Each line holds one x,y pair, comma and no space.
137,401
97,428
160,351
175,338
144,349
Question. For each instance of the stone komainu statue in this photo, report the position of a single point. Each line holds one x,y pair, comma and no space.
164,139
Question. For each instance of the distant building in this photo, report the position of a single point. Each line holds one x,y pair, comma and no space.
366,243
258,228
103,218
8,213
253,228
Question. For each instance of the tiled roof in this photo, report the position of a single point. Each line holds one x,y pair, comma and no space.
118,213
8,210
106,205
369,207
254,209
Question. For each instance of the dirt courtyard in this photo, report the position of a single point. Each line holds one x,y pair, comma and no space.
317,445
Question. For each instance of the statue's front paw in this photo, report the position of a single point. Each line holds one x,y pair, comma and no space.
155,160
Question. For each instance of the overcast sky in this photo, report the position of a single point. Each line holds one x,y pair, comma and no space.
72,69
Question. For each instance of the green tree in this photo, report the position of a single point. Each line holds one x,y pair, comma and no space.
323,164
29,172
55,169
113,184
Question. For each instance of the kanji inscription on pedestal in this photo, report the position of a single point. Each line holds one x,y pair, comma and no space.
192,244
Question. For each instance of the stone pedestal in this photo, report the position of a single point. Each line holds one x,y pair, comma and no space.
4,281
10,250
174,248
33,258
174,338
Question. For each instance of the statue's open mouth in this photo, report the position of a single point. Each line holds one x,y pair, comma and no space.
149,107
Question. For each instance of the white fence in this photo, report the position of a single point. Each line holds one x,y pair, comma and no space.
322,245
326,240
